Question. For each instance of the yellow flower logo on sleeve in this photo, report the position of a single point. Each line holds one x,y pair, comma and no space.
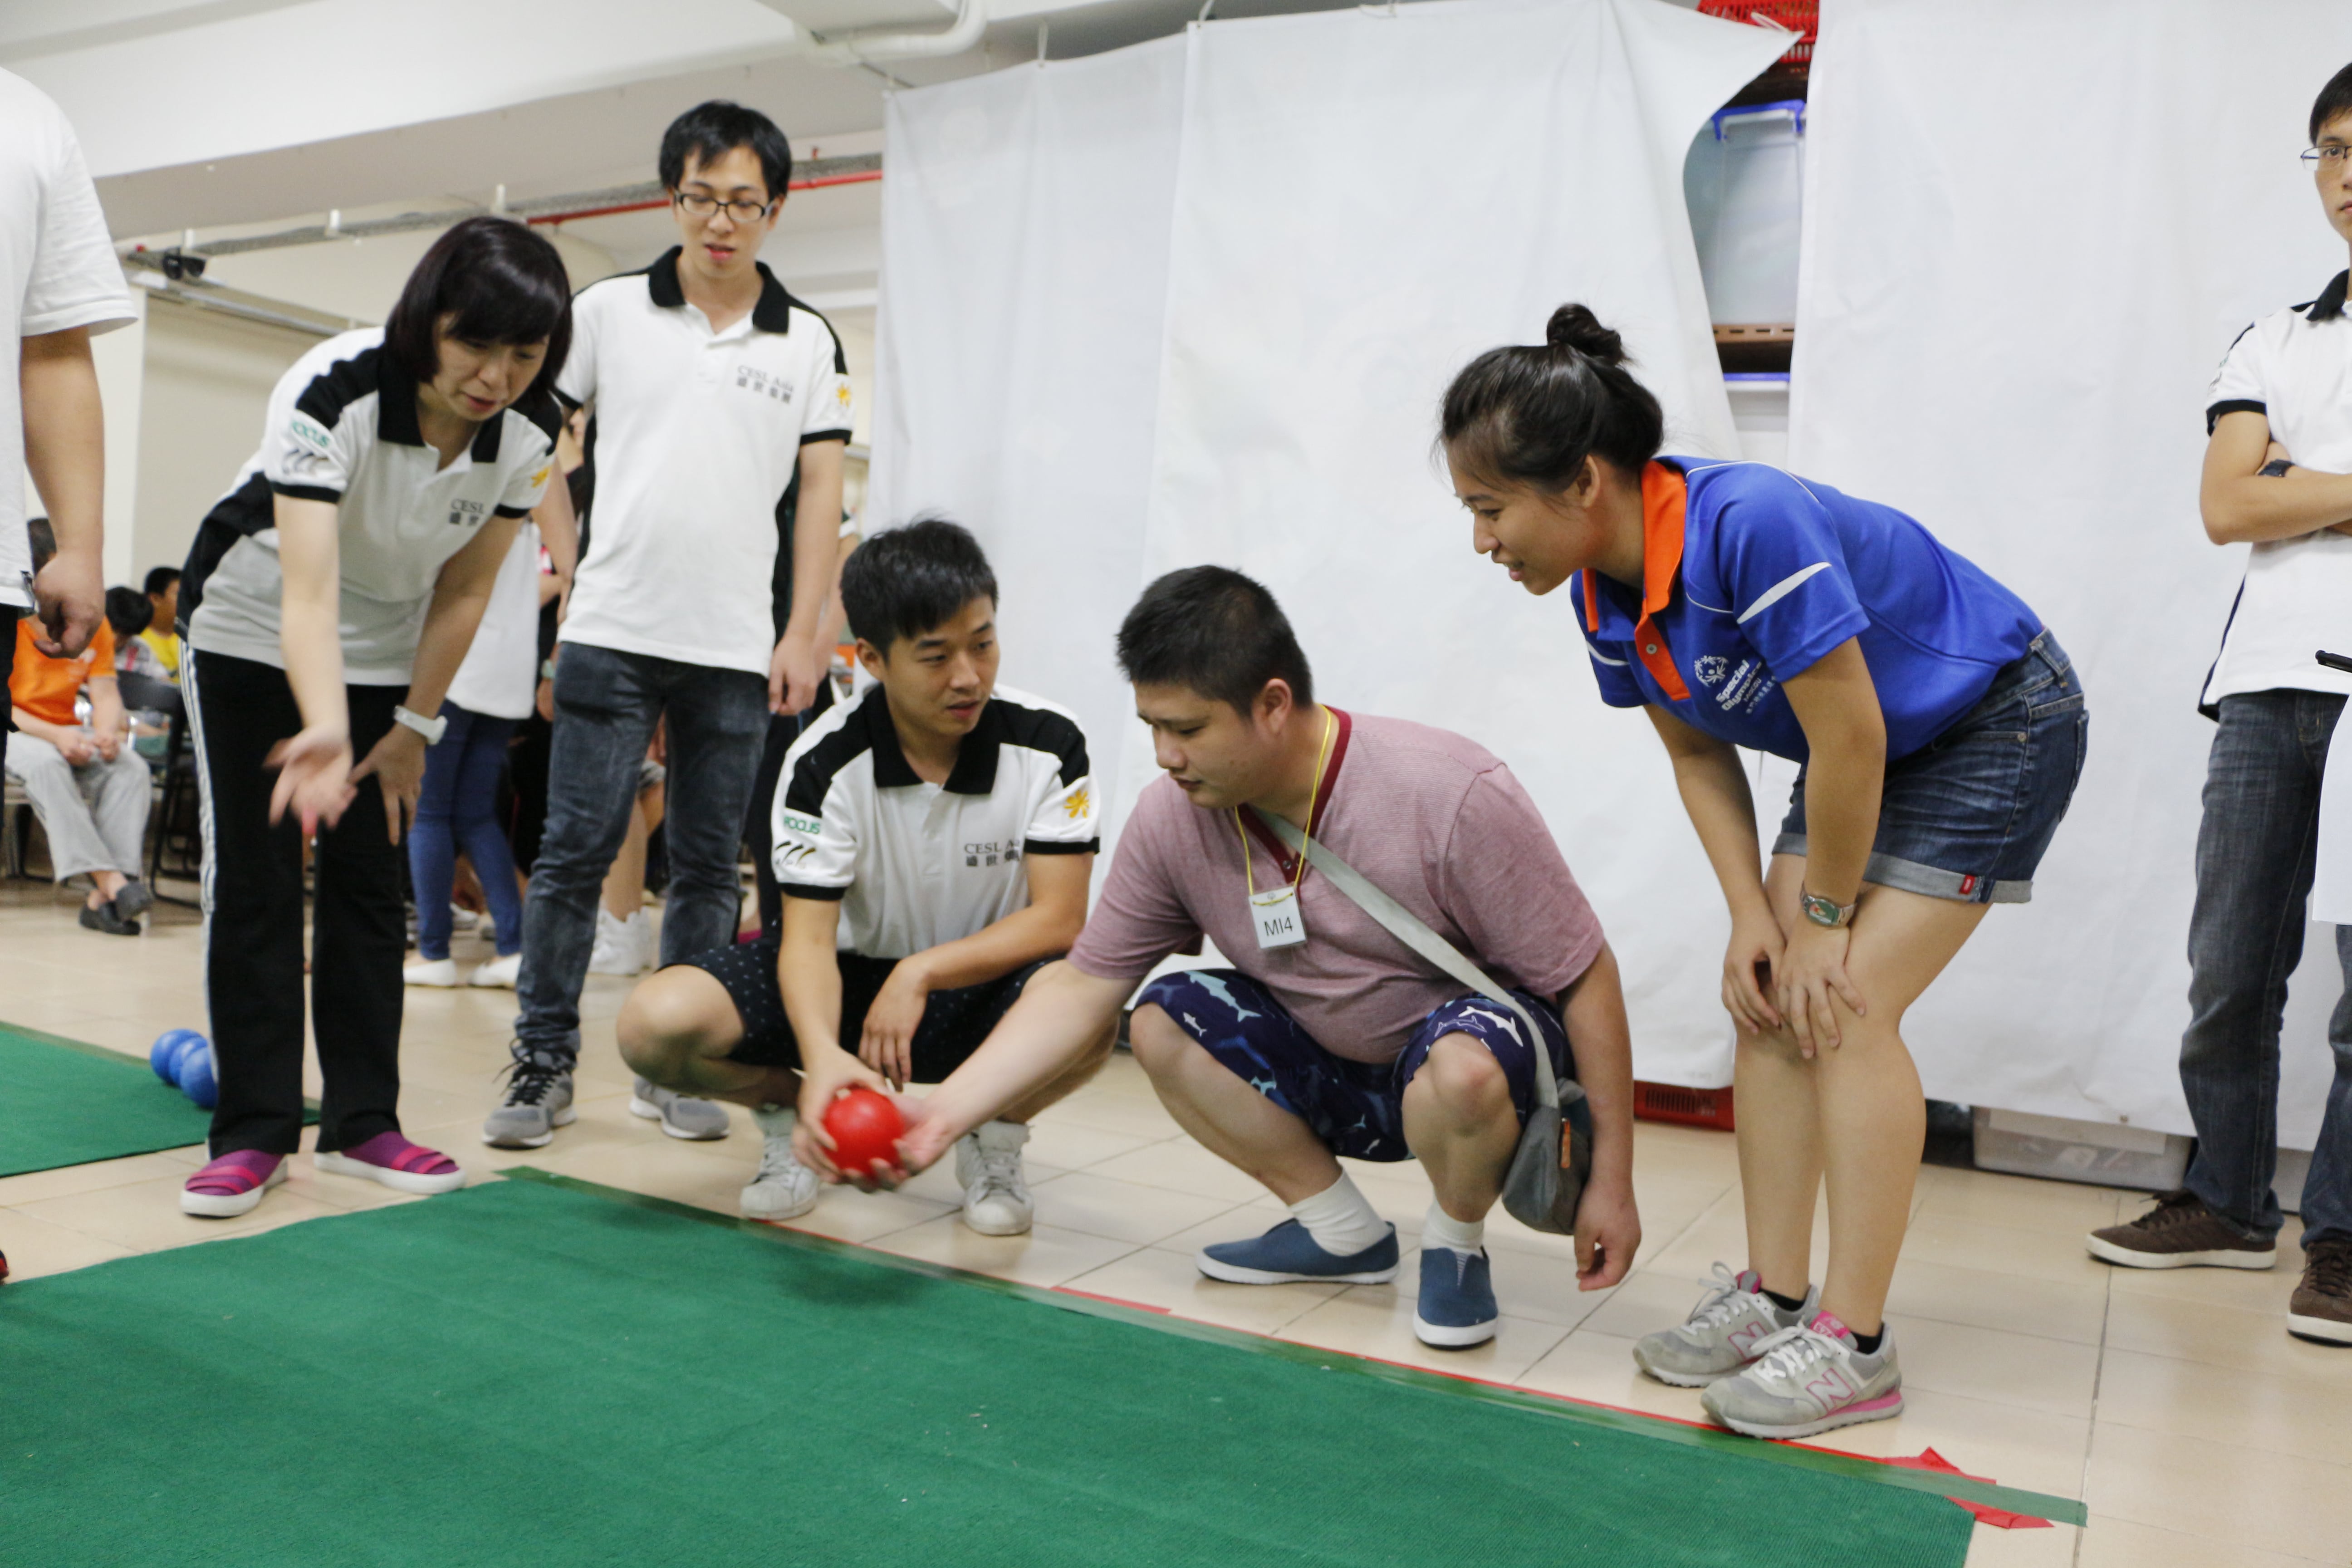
1078,803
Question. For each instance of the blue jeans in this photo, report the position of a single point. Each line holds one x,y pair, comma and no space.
455,810
2255,856
607,705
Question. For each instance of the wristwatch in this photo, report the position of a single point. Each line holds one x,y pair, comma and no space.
431,728
1824,911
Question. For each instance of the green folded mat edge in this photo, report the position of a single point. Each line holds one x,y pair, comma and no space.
2012,1500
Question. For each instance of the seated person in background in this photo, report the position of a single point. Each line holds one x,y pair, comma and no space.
1342,1042
934,843
88,786
161,638
131,615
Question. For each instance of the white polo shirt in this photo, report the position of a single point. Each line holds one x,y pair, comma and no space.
699,434
2293,367
342,428
58,271
917,864
500,674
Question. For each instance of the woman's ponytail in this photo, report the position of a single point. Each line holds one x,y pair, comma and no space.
1532,414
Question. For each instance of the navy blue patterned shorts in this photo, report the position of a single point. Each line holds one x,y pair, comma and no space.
1357,1109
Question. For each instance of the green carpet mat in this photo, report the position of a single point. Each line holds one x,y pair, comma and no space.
65,1103
529,1374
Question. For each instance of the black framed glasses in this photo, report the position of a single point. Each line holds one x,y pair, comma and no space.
704,206
2328,155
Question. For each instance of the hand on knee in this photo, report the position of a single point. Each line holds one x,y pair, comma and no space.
1464,1082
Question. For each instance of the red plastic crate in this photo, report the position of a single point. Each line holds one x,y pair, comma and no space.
1803,16
1684,1107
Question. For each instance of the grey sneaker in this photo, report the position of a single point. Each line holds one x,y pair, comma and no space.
681,1116
996,1200
784,1188
537,1102
1808,1379
1722,1333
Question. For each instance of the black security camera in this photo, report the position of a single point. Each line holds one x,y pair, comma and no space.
179,264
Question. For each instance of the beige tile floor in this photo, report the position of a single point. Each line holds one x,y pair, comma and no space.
2174,1405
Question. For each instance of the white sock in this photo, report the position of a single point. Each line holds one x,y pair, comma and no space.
1340,1219
1438,1228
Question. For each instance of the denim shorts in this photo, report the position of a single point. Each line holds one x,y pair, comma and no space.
1969,815
1357,1109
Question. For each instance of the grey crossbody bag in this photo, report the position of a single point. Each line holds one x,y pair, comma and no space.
1554,1158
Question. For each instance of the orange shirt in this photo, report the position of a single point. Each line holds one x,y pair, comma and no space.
46,687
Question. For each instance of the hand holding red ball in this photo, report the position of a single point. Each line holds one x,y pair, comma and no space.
865,1127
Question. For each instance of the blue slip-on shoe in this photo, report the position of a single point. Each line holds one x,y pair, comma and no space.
1287,1255
1457,1300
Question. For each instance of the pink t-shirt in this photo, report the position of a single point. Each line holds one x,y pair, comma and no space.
1434,821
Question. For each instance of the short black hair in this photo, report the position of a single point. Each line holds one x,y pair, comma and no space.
43,539
2335,101
1532,414
711,131
160,580
907,581
128,612
1214,631
502,282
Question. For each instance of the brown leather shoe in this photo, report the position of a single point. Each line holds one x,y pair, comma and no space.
2322,1307
2179,1231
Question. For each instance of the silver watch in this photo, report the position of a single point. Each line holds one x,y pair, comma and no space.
431,728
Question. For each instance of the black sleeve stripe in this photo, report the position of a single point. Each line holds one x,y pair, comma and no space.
340,385
510,511
2232,406
815,435
814,775
811,890
1042,730
1047,846
308,492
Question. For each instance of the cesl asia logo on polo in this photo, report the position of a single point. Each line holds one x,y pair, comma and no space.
467,514
764,384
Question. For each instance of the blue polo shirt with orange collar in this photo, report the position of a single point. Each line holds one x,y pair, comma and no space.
1750,574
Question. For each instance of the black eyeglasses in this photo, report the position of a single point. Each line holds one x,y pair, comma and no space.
2329,156
704,206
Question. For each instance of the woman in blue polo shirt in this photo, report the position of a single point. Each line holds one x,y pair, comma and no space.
1941,730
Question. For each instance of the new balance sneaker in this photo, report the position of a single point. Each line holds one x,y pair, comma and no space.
1456,1308
232,1184
698,1121
1722,1332
1287,1255
537,1102
623,947
2321,1309
996,1200
1808,1379
389,1158
437,973
784,1188
2179,1231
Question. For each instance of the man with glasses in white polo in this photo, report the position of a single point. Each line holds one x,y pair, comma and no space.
713,394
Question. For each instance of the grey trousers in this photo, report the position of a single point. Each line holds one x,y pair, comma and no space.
95,815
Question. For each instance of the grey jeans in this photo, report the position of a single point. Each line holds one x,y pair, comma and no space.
606,704
2255,859
95,815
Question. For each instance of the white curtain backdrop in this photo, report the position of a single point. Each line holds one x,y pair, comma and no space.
2030,230
1301,228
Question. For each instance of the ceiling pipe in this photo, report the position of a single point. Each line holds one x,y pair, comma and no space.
870,48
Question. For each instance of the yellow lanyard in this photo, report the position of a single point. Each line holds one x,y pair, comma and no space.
1249,878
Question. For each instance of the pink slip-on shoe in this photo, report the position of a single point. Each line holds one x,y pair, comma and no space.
392,1158
232,1184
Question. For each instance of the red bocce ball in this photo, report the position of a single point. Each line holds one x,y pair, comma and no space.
866,1129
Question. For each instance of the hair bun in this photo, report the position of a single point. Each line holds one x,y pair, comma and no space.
1576,327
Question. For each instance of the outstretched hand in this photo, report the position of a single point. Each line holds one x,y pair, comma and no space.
314,770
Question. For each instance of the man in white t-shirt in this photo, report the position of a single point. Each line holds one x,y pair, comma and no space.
2278,473
713,392
60,284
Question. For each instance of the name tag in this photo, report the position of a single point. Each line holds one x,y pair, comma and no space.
1279,923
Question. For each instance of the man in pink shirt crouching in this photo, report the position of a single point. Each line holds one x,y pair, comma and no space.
1328,1036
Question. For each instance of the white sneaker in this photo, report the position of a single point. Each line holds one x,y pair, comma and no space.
996,1200
623,947
438,972
462,919
499,973
784,1188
